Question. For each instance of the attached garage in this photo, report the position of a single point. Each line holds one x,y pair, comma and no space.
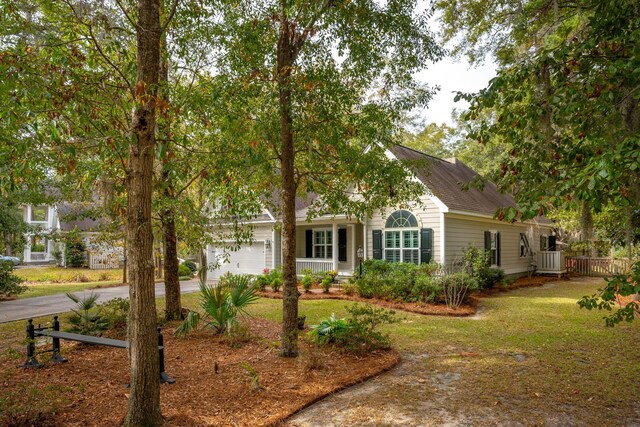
249,259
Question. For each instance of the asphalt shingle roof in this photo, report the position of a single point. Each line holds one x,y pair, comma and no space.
444,178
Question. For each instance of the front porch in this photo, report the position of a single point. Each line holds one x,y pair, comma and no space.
329,246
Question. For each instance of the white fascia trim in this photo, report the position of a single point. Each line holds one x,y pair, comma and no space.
266,221
480,216
442,239
443,208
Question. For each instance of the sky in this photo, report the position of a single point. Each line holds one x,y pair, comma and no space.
453,75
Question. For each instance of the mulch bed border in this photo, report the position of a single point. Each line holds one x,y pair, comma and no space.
465,310
411,307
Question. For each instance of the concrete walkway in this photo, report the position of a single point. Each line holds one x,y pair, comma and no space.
59,303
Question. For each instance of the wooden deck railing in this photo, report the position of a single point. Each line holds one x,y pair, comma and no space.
596,266
551,262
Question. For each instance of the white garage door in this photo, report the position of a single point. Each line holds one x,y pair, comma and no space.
249,259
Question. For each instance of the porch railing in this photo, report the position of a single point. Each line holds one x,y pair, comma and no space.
38,256
315,265
550,262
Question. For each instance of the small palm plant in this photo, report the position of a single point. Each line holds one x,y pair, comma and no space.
87,317
221,304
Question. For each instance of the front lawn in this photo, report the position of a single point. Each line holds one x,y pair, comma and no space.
43,289
59,274
529,357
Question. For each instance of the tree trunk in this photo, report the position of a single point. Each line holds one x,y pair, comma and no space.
124,264
202,259
286,58
171,280
173,305
144,398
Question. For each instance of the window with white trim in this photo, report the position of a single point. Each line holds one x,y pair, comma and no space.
544,242
322,244
402,238
525,249
39,214
493,250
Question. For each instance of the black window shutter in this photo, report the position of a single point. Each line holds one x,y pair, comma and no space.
342,244
377,244
426,245
309,243
498,249
552,243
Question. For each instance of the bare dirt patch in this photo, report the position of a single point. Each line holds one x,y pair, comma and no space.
215,383
412,307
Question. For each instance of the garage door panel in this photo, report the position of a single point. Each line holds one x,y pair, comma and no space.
249,259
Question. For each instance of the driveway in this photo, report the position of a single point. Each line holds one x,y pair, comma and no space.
59,303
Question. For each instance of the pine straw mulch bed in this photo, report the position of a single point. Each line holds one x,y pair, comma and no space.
90,390
469,308
466,309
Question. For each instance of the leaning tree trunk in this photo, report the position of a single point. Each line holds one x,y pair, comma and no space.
144,397
286,58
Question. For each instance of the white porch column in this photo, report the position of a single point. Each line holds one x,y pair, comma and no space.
334,244
351,239
364,240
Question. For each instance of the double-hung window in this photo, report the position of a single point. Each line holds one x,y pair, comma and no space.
402,238
322,244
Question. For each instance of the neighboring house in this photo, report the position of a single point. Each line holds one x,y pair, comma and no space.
45,219
63,218
440,229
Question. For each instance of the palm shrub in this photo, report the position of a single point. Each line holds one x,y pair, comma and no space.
357,334
10,284
328,330
221,304
87,317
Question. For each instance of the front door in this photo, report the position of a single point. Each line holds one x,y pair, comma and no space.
342,244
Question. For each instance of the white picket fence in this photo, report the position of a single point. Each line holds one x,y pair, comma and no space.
104,260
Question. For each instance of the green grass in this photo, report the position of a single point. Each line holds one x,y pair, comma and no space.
40,290
59,274
572,362
43,281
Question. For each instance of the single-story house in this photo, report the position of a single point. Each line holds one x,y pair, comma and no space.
438,229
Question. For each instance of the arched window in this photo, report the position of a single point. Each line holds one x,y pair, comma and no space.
402,238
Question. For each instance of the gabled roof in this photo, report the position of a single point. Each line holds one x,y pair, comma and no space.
302,203
445,178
